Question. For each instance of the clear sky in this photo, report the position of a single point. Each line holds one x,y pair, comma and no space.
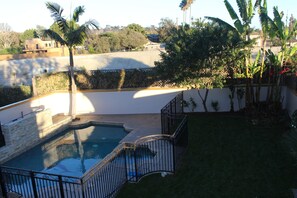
25,14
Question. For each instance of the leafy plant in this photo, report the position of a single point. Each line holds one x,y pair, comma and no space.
190,104
215,105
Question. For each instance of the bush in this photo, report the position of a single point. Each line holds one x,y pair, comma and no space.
48,83
12,50
11,95
98,79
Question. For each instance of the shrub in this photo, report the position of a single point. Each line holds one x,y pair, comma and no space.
11,95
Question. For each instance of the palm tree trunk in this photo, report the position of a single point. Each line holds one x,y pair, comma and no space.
73,86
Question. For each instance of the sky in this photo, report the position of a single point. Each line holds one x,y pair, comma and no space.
25,14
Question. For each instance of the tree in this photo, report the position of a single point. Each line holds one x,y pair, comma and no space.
71,35
8,38
28,34
137,28
131,39
114,41
166,28
196,57
97,44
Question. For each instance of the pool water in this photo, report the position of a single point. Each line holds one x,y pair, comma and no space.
72,152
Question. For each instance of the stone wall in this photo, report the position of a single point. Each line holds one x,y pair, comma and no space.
24,133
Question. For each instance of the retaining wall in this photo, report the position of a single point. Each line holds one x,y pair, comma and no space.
24,133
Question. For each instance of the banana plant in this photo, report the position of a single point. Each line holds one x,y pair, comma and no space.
263,13
242,27
284,34
254,68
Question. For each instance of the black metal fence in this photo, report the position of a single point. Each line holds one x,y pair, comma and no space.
172,114
24,183
127,163
2,140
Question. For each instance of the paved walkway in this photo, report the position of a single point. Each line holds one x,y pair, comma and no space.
139,125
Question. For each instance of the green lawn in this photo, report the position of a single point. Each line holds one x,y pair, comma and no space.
227,157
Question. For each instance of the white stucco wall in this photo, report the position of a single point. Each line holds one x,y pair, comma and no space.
144,101
117,102
291,101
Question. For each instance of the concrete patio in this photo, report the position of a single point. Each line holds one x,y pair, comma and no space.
139,125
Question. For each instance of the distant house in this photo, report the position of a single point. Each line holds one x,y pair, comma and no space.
50,47
36,45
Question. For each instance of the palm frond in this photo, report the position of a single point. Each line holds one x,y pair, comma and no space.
78,11
56,12
265,4
264,20
78,35
221,23
239,26
257,4
231,11
92,24
53,35
278,21
242,7
273,27
250,10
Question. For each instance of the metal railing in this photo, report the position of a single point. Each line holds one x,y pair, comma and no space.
2,139
129,162
38,184
172,114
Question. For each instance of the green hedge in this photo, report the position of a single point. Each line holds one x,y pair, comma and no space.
9,95
48,83
99,79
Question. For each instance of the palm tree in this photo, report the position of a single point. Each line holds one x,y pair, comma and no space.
71,34
185,5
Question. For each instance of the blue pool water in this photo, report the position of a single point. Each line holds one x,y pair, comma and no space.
71,152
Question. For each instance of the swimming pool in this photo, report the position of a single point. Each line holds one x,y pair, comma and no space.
72,152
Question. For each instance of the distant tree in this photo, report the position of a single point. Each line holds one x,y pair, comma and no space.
166,28
28,34
4,27
71,34
151,30
114,41
137,28
131,39
103,43
8,38
97,44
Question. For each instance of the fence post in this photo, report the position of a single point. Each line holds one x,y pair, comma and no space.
173,152
61,186
125,161
2,138
82,188
2,183
135,164
182,102
33,184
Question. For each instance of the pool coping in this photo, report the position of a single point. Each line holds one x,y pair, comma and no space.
137,125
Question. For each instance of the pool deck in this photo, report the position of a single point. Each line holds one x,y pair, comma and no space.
139,125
